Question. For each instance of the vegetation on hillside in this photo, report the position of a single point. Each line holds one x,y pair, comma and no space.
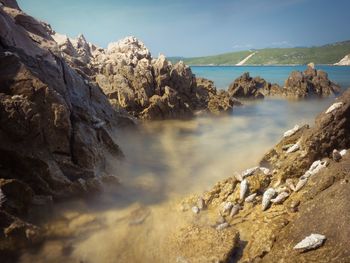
328,54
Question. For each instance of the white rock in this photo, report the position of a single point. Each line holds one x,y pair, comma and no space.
235,209
227,206
222,226
265,170
335,106
249,171
280,198
268,195
291,131
300,184
293,148
311,242
315,167
250,198
343,152
243,189
195,209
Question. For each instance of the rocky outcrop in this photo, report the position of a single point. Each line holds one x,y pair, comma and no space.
247,87
213,100
309,83
345,61
289,196
145,87
55,126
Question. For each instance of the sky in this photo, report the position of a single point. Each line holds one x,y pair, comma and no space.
192,28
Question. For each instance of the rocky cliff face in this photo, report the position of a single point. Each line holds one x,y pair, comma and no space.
55,126
310,83
300,187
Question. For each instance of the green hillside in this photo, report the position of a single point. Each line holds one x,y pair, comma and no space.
328,54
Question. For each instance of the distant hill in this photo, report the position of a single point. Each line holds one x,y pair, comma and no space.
327,54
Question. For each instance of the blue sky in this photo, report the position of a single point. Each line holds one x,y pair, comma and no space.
199,27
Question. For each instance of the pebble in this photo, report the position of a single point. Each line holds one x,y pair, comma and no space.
335,106
250,198
293,148
195,210
292,131
235,210
222,226
227,206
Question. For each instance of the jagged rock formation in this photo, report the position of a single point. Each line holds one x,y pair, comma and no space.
145,87
345,61
55,127
248,87
311,82
305,84
322,193
213,100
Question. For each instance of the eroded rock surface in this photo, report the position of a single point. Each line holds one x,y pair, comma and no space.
55,127
317,205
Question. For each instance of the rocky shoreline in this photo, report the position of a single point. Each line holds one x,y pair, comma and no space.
62,100
309,184
299,85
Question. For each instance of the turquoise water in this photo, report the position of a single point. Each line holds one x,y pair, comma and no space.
224,75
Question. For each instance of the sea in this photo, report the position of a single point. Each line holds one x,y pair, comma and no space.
224,75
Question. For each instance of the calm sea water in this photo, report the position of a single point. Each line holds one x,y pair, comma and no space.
166,161
224,75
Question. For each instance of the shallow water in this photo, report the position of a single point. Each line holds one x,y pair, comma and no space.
165,161
224,75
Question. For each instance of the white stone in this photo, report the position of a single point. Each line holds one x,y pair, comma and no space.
222,226
268,195
195,209
334,107
311,242
343,152
243,189
291,131
249,171
293,148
